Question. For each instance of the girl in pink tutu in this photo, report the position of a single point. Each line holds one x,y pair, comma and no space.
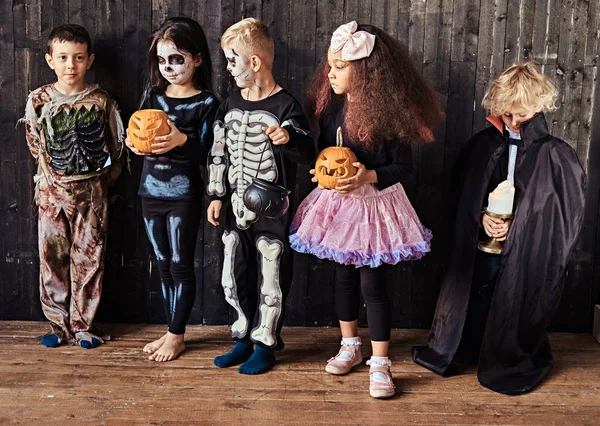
368,87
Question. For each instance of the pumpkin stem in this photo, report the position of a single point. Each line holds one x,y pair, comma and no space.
339,140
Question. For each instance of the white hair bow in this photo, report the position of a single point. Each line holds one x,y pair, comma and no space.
353,44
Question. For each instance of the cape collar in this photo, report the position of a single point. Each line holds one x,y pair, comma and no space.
531,130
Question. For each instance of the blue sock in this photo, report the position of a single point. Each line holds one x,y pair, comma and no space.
240,353
51,340
261,361
85,344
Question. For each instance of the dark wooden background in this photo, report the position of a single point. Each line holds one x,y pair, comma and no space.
459,45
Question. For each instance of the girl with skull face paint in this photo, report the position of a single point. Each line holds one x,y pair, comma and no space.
171,186
368,87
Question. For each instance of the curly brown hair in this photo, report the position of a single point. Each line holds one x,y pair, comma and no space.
390,98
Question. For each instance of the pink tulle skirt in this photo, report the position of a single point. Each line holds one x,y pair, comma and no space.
365,227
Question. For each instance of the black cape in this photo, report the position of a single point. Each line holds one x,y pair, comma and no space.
515,354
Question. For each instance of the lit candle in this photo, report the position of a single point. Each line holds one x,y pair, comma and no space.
501,199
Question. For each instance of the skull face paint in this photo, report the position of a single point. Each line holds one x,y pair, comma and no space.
176,66
239,67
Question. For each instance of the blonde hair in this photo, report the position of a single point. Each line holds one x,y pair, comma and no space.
250,37
520,85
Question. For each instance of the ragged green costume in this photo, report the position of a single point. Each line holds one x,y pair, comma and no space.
77,141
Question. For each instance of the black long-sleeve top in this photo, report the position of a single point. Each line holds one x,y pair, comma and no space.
175,175
286,110
391,160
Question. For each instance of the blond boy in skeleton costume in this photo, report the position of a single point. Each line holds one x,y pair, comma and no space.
252,126
75,133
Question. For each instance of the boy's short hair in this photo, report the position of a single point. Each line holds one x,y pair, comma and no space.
250,37
520,85
70,32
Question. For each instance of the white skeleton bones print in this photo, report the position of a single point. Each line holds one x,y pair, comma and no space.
231,240
250,155
271,296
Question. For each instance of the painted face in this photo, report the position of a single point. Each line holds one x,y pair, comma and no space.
339,72
515,116
70,61
240,68
176,66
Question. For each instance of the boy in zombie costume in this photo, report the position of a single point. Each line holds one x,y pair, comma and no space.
257,130
75,133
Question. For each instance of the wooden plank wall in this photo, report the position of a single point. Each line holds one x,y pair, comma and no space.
458,44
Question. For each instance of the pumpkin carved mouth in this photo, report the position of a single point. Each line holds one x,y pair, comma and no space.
144,138
340,171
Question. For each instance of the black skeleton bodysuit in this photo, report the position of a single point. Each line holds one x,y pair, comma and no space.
171,187
257,269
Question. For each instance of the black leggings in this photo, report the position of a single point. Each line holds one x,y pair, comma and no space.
172,227
349,282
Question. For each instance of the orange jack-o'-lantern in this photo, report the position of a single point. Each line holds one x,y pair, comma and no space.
144,126
335,163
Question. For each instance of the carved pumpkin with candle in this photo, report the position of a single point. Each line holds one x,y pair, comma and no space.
334,163
144,126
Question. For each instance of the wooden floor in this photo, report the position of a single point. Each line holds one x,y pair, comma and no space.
116,384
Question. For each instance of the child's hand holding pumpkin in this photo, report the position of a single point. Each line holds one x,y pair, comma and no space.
314,178
362,177
166,143
131,147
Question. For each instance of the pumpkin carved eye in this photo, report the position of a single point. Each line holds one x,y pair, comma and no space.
340,160
153,124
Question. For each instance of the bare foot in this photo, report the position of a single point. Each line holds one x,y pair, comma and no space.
170,349
151,347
